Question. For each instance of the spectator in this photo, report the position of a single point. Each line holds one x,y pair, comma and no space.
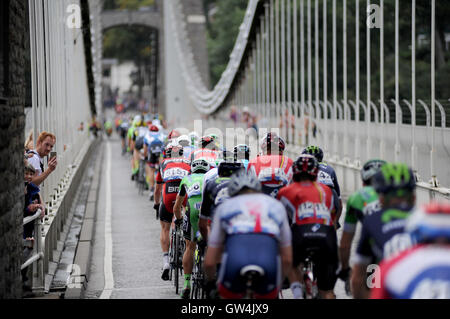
287,125
33,202
234,116
249,119
44,145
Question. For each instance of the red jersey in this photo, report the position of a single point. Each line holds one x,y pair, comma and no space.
272,169
211,156
311,202
171,172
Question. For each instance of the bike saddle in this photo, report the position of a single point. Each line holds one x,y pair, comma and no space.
253,271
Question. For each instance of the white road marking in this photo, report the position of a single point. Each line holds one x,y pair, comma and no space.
109,278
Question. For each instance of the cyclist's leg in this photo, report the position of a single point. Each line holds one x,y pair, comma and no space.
188,257
165,220
299,243
327,263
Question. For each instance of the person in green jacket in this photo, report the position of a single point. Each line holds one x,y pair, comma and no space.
360,204
191,187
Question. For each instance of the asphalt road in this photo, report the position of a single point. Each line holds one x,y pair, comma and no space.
134,263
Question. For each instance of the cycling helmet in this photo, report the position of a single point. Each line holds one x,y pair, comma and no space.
370,169
173,150
226,169
137,120
173,134
240,150
184,140
269,140
214,136
200,166
314,151
206,141
241,180
429,223
306,164
154,128
395,179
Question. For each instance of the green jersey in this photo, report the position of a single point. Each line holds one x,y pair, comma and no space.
360,204
192,186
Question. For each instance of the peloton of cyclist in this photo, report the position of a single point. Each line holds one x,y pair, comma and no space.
309,207
273,169
422,272
241,227
191,186
171,172
382,234
360,204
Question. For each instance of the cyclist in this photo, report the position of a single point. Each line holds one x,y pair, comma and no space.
153,146
241,227
382,233
273,169
185,142
171,172
208,151
134,131
191,186
362,203
123,129
422,272
309,206
242,153
327,175
173,135
215,192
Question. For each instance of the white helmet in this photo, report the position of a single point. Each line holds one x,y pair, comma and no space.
184,140
243,179
200,165
194,138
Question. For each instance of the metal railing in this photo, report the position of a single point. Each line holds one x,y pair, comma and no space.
60,105
38,254
272,75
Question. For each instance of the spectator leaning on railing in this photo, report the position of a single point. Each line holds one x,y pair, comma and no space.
44,146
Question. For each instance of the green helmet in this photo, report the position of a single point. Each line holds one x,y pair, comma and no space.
314,151
395,179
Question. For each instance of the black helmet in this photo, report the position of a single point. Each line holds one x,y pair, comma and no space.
314,151
226,169
394,179
370,169
243,179
269,140
307,165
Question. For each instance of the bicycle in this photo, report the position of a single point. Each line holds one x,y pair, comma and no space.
311,290
198,276
176,256
251,274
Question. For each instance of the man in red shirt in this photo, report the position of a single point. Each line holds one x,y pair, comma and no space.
273,169
172,170
309,205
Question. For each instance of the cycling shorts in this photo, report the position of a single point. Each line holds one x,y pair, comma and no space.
123,133
153,159
139,143
164,214
245,249
323,241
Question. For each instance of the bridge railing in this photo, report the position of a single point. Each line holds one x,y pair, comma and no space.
280,68
60,105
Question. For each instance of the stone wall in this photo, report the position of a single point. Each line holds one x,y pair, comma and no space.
12,122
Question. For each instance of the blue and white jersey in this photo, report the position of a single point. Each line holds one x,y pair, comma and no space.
141,131
422,272
327,176
250,214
